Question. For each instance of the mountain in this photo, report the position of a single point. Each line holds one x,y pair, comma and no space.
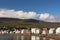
18,20
27,23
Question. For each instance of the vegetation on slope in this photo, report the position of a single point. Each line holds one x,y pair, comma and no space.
29,24
26,23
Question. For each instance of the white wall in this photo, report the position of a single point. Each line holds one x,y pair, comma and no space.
51,30
58,30
35,30
22,31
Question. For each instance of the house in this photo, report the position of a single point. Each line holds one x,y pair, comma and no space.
58,30
11,32
51,30
44,31
2,32
27,32
35,30
23,31
5,31
16,31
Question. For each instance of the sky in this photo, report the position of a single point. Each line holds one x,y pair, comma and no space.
47,10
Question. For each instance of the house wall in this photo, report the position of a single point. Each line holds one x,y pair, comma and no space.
44,31
51,30
35,30
58,30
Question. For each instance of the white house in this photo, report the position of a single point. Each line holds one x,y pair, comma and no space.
11,32
5,31
35,30
58,30
16,31
22,31
51,30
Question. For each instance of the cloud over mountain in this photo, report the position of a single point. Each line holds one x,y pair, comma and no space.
47,17
27,15
17,14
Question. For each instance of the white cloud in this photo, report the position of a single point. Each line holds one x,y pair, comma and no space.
47,17
17,14
28,15
44,16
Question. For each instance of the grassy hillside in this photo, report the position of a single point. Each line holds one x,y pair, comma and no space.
26,23
29,24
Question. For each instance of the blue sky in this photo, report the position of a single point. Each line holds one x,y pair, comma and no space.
40,6
52,6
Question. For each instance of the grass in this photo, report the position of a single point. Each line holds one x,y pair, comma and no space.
29,24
